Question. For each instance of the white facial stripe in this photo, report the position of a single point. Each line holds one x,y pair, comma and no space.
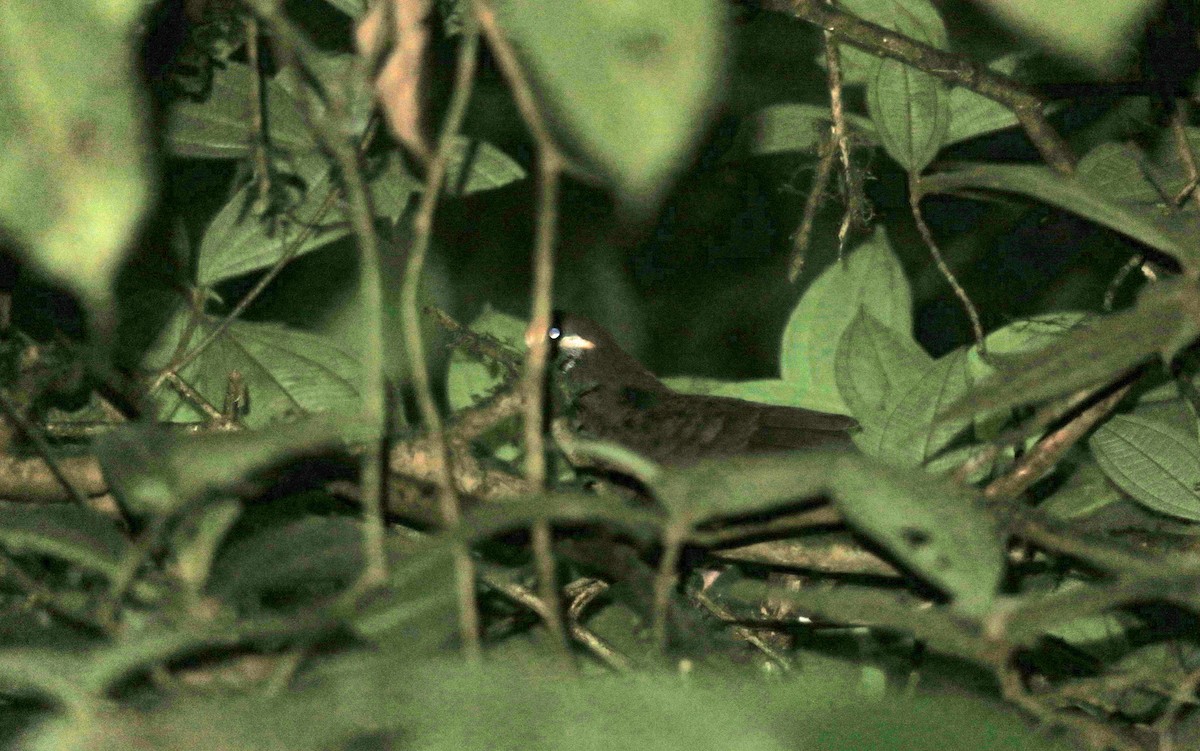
575,341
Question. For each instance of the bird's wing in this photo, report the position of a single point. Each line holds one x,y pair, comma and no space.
671,428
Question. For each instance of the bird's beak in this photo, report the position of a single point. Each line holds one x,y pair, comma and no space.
575,341
570,341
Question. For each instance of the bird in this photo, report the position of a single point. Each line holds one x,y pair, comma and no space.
613,397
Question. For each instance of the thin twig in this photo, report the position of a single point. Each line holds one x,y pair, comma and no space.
298,54
673,539
1183,147
914,202
582,592
841,137
1033,465
415,346
13,413
1110,294
262,164
816,196
550,166
535,380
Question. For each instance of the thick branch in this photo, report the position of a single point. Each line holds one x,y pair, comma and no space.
955,69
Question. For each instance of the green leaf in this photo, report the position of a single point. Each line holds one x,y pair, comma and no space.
319,554
79,536
791,127
1115,170
74,167
356,9
630,83
740,486
1094,352
417,612
871,278
1096,33
154,469
973,114
911,112
908,432
1157,464
474,166
1072,194
468,380
895,390
935,528
1085,492
875,366
1023,336
220,126
286,371
237,241
196,539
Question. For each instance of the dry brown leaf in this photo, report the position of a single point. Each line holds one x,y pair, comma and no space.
397,33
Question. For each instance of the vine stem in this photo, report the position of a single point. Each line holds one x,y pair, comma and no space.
550,166
448,504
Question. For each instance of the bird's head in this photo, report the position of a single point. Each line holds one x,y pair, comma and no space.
586,354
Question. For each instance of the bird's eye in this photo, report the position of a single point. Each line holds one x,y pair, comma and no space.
554,332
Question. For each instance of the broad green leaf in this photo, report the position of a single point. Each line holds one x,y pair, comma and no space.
220,126
1115,170
475,166
289,567
1096,33
741,486
973,114
46,674
520,512
79,536
875,366
1021,337
1094,352
933,527
353,8
918,19
196,538
469,380
154,469
630,83
908,432
392,188
287,372
910,108
74,166
417,610
871,278
1145,179
1072,194
340,72
238,241
1158,465
896,391
911,112
791,127
1084,493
